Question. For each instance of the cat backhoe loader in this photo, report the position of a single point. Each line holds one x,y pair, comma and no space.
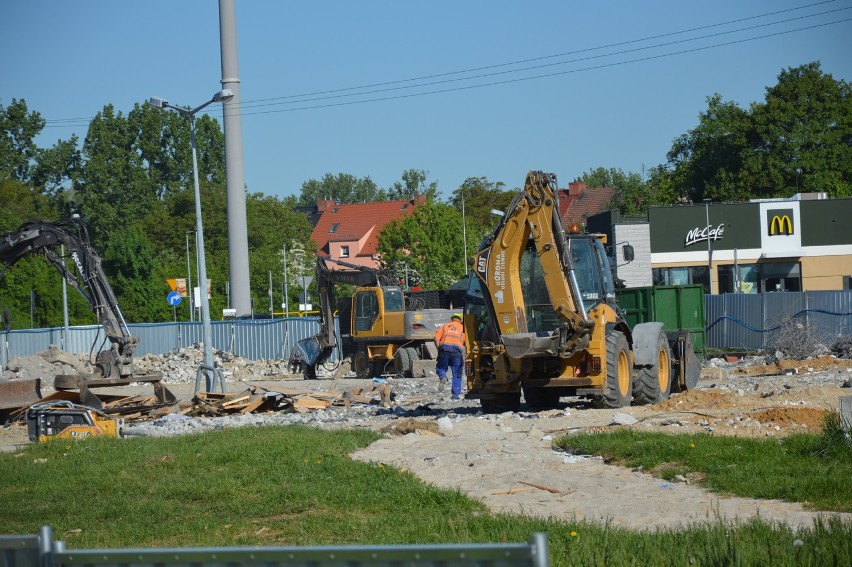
541,319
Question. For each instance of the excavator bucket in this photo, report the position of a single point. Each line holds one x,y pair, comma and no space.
16,394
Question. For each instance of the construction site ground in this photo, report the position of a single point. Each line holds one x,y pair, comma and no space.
508,460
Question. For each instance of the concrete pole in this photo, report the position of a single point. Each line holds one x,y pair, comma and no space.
237,224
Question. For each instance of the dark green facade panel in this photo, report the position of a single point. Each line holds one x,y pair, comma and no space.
826,222
670,226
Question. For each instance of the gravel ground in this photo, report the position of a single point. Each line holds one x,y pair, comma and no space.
508,460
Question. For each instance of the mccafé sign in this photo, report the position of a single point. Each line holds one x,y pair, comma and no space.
780,222
698,234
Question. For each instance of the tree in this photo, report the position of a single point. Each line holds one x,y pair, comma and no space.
18,129
633,196
429,241
135,276
413,183
797,140
342,188
802,136
480,197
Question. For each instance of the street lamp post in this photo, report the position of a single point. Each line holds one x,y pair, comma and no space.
464,234
207,368
709,248
189,278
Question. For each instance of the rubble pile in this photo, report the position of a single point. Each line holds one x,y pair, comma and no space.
179,366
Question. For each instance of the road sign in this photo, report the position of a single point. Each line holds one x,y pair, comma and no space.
173,298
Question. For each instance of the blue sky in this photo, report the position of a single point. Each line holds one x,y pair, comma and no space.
592,91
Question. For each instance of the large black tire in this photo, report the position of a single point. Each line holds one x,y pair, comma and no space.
361,365
500,403
653,383
618,390
402,362
541,398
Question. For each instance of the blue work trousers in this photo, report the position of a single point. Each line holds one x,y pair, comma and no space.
451,358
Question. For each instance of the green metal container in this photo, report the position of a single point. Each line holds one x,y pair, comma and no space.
677,307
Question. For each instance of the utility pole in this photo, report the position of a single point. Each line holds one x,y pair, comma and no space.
236,191
286,294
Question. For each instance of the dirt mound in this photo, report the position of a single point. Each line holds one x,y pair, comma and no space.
698,399
813,418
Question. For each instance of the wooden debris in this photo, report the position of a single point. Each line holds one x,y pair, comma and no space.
547,488
510,491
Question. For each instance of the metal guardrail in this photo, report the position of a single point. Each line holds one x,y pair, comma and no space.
42,551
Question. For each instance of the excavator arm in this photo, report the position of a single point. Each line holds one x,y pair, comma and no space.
532,228
46,237
314,350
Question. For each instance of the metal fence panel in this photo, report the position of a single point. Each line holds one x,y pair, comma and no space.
257,340
753,321
733,321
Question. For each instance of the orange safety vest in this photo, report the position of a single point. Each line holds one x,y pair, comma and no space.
451,333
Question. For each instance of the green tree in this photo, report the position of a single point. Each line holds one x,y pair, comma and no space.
480,197
429,241
802,136
633,195
342,188
135,276
797,140
18,130
413,183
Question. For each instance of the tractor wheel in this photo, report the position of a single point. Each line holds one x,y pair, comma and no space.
653,383
402,362
361,365
618,390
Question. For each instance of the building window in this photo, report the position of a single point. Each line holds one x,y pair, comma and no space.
682,276
344,251
333,228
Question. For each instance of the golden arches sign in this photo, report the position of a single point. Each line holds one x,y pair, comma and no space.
781,224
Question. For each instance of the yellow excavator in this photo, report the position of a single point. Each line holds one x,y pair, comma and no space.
542,319
385,327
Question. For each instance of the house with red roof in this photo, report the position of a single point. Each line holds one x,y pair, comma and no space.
351,232
578,203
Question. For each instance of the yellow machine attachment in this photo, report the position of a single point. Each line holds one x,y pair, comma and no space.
66,420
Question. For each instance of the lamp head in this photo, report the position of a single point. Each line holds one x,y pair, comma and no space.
158,102
223,96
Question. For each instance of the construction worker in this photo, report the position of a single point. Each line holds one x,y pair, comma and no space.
451,342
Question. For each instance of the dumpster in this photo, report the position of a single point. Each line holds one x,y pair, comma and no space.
677,307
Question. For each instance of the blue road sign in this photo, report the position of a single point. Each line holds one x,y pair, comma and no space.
173,298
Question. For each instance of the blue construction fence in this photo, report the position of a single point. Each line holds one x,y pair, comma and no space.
732,321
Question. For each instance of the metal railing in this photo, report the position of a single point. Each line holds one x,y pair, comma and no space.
42,551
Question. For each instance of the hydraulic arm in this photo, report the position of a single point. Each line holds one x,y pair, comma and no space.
46,237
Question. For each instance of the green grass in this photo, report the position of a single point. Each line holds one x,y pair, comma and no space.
297,486
814,470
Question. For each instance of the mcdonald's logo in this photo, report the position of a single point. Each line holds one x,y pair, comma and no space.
780,222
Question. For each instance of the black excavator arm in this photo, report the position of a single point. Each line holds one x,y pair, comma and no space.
314,350
46,237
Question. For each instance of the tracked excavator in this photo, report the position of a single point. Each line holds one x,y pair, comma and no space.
385,327
542,319
112,366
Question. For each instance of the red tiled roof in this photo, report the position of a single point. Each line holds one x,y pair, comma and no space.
578,202
356,221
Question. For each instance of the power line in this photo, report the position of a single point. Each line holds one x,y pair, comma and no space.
330,94
533,59
529,68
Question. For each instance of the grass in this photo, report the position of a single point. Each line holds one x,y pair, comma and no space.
811,469
297,486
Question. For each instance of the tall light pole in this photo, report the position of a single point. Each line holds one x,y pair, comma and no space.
464,234
709,248
189,278
207,368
